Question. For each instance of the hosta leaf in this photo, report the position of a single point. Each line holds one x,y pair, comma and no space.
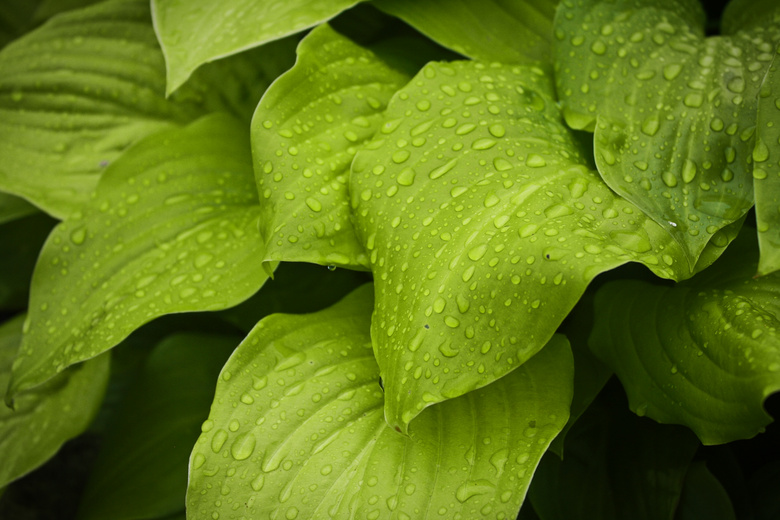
199,31
305,133
766,169
703,496
15,18
80,89
172,228
44,418
141,471
673,112
493,30
297,431
20,242
483,228
13,207
616,466
705,353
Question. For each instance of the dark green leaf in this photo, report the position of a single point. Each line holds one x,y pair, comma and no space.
703,496
704,353
297,431
141,471
172,228
20,241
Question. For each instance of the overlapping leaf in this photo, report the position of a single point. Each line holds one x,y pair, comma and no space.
199,31
80,89
673,112
305,133
766,169
44,418
13,207
297,431
495,30
141,471
21,242
483,228
705,353
172,228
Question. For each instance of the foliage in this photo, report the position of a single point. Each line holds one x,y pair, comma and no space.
380,260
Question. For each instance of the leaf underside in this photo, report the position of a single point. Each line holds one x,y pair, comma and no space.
297,431
673,112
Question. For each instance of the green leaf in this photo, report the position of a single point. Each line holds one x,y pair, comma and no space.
79,90
766,169
508,31
703,496
48,416
21,241
673,112
483,228
200,31
141,470
12,208
172,228
15,18
616,466
297,431
704,353
305,132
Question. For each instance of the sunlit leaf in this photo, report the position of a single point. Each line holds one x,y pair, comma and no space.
172,228
483,226
305,133
297,431
766,169
141,470
508,31
200,31
80,89
616,466
46,417
674,113
704,353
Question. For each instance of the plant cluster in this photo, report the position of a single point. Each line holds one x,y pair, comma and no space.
303,259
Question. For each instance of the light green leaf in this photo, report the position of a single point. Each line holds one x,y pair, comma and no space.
76,92
141,470
616,466
673,112
483,228
48,416
20,241
12,208
704,353
200,31
297,431
508,31
172,228
766,169
305,133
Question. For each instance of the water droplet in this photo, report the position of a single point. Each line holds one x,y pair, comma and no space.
218,440
688,171
535,161
472,489
243,446
78,236
441,170
406,177
313,204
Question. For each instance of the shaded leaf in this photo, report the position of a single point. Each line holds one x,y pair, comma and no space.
491,30
704,353
12,208
80,89
483,228
703,496
20,241
766,169
44,418
141,471
199,31
172,228
15,18
673,112
305,133
616,466
297,431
